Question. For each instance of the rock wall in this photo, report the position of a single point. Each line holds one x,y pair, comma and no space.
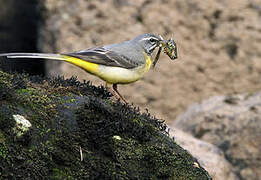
218,44
233,124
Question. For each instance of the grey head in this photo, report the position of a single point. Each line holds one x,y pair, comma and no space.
148,42
134,48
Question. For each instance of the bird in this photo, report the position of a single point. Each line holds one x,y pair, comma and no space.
120,63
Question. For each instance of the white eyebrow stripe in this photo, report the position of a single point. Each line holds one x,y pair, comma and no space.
147,38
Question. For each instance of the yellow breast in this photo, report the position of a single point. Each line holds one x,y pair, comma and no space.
148,62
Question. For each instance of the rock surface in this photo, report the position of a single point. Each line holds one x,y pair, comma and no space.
208,155
218,43
72,130
233,123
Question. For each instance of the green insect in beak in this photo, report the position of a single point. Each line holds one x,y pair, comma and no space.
170,48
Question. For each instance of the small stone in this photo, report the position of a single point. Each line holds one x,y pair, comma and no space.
117,137
22,125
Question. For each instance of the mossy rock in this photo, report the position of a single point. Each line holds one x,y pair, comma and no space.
78,132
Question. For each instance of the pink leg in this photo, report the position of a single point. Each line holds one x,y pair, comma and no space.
115,91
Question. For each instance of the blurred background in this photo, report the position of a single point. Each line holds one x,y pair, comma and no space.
219,53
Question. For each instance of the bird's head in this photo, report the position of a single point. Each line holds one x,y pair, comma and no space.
148,42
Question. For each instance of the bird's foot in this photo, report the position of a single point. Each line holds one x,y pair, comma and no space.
114,91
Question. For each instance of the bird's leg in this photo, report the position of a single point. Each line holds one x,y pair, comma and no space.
113,90
114,86
109,88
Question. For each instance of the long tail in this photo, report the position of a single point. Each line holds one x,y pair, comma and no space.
90,67
34,55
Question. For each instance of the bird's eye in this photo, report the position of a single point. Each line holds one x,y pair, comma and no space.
152,40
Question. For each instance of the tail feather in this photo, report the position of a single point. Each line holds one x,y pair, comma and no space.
58,57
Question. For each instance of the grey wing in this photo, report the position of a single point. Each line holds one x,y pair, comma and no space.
107,57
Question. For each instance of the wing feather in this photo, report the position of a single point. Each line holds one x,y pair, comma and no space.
107,57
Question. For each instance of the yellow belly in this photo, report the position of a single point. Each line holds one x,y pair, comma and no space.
112,75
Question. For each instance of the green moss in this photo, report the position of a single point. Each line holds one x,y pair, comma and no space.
35,98
63,173
3,151
137,143
2,137
5,86
3,148
72,120
138,121
6,119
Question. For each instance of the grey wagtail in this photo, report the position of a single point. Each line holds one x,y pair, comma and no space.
121,63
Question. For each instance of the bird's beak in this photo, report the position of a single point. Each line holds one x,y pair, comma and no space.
161,41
